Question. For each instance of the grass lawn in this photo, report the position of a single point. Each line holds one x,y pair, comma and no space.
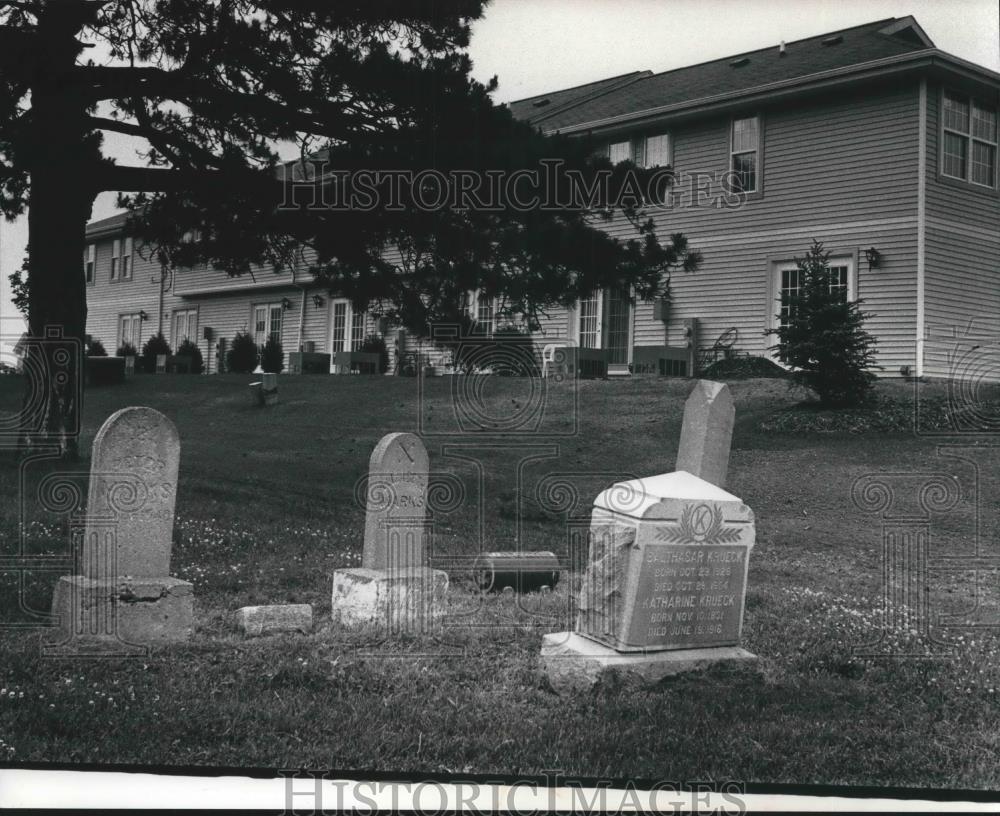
266,510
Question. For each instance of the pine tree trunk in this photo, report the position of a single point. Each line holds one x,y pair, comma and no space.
63,160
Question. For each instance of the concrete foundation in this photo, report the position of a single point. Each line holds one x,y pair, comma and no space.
574,663
134,611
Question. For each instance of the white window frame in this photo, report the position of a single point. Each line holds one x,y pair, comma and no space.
268,308
126,260
134,321
774,288
190,318
477,304
352,341
668,150
598,297
969,138
733,152
625,145
90,264
116,251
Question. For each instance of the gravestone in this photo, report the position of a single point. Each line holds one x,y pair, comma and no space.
254,621
707,432
665,586
269,388
124,591
394,588
395,507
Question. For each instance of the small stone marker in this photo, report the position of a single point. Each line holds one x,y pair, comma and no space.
665,588
254,621
124,591
394,586
269,387
396,506
707,432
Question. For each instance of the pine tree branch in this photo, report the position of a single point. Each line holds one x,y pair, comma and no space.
104,82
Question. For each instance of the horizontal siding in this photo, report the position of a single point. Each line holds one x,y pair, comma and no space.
107,300
841,169
962,304
962,269
972,205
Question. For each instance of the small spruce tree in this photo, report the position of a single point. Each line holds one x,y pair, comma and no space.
154,346
822,336
272,355
241,357
190,349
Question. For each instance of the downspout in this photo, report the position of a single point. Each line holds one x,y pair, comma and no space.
302,315
921,228
159,311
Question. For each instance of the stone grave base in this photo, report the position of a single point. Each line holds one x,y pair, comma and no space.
400,600
573,662
138,611
266,620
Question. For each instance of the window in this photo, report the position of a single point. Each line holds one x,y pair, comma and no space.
126,261
645,151
88,263
116,251
745,154
266,322
347,327
590,321
130,330
185,326
357,330
969,140
788,283
482,310
657,151
619,152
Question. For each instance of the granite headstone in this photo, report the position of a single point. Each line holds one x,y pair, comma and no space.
707,432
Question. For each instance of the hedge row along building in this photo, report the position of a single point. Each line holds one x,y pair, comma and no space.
868,139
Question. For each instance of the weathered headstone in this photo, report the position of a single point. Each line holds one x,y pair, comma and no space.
269,388
707,432
124,590
396,505
665,588
394,587
665,585
253,621
133,479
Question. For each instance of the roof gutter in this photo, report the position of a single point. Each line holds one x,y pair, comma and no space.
927,58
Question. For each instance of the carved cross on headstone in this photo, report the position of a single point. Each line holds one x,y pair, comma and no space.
396,504
707,432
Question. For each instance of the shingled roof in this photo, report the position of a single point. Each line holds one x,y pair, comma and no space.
536,109
837,49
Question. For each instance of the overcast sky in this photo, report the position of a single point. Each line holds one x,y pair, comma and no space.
534,46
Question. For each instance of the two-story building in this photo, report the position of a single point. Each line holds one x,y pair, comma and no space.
868,139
